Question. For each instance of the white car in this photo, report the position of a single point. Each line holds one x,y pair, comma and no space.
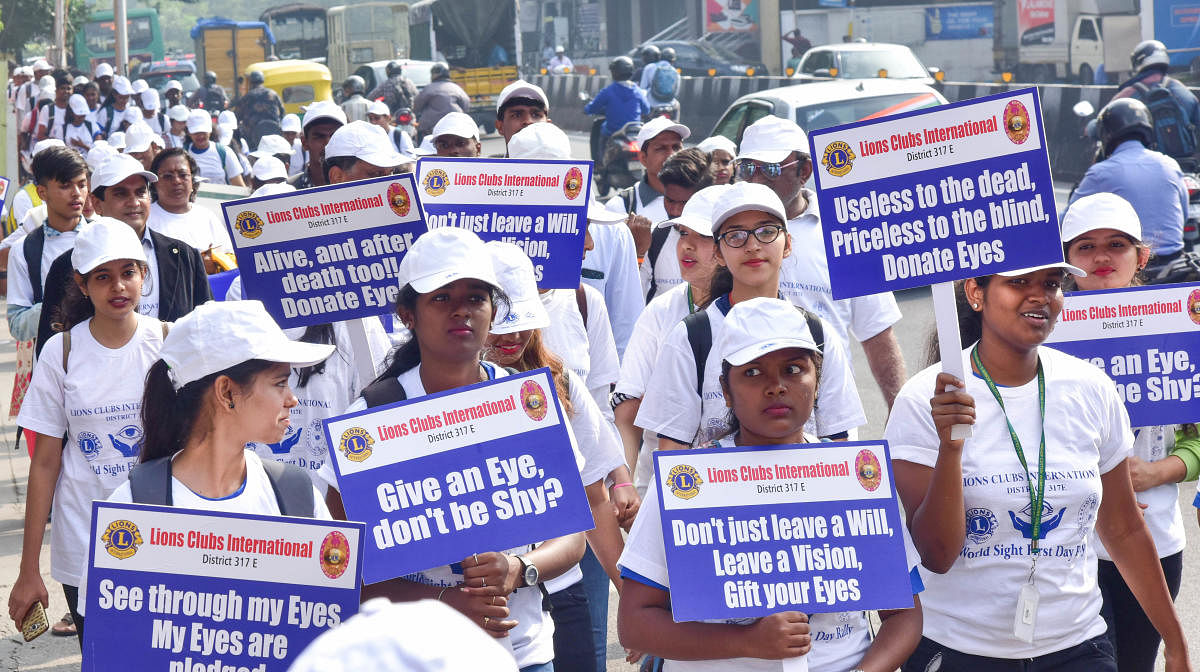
862,60
376,72
823,104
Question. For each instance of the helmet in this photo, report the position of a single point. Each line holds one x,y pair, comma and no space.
439,70
1149,53
355,83
256,78
621,68
668,55
210,78
393,68
1124,119
650,54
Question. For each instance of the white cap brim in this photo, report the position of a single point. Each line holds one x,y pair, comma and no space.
428,283
698,224
752,352
1073,270
744,207
530,314
767,155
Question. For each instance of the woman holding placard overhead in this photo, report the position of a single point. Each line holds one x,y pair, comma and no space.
770,366
1102,235
449,296
1004,519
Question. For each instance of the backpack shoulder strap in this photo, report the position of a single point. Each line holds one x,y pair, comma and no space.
581,301
699,332
628,197
658,239
1141,87
35,243
815,327
293,489
221,153
66,342
385,391
150,482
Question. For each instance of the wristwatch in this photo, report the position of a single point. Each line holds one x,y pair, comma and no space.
529,572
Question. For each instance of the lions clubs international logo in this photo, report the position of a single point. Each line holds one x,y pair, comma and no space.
684,481
121,539
838,158
435,182
356,444
533,400
249,224
397,198
573,183
335,554
1193,306
1016,122
866,467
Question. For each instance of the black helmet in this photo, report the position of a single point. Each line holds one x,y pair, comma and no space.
651,54
355,83
393,68
668,54
621,68
210,78
1124,119
256,78
439,71
1148,54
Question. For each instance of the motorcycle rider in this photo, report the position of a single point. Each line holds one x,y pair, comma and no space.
439,98
397,91
257,105
650,55
354,104
660,81
620,102
211,96
1150,62
1150,180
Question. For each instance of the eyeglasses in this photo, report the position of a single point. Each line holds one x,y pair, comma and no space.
767,233
746,168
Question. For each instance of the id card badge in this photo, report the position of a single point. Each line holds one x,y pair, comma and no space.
1026,617
799,664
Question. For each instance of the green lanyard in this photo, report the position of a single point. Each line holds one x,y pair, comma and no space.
691,304
1035,499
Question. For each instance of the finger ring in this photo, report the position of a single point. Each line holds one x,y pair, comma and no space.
482,582
493,602
485,621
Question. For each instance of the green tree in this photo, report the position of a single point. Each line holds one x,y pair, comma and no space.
30,20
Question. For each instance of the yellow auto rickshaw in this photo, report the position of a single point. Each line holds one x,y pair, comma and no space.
298,83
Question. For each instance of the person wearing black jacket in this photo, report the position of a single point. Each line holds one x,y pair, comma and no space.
177,282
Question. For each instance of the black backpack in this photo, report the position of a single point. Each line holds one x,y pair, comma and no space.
1174,133
658,238
389,390
699,333
150,483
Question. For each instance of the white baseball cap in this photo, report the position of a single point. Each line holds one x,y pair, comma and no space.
149,99
122,86
43,145
104,70
455,123
366,142
290,124
598,214
117,140
174,85
323,109
697,212
426,147
543,140
41,64
100,152
198,121
272,188
117,169
270,145
522,89
227,119
104,240
23,71
269,168
1073,270
379,107
220,334
140,85
1100,211
762,325
659,125
744,197
771,139
139,137
78,105
716,142
79,79
515,272
177,113
443,255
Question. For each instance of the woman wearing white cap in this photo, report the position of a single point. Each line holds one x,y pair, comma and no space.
517,341
770,365
721,151
96,411
449,296
79,132
174,213
1102,235
1004,519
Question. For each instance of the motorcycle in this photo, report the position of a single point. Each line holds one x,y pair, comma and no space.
616,163
405,121
669,110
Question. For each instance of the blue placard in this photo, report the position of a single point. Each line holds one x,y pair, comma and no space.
4,185
754,531
1147,339
936,195
959,22
482,468
539,205
325,254
183,589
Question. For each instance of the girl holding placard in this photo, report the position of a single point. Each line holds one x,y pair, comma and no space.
1004,519
1102,235
770,366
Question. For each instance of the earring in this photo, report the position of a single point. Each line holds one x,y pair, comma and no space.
231,404
975,306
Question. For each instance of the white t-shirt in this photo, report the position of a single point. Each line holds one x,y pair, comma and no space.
128,115
100,414
839,639
670,406
614,260
80,133
588,350
174,141
60,118
198,227
1162,514
20,289
299,158
971,607
209,162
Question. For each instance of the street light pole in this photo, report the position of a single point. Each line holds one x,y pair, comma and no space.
122,26
60,33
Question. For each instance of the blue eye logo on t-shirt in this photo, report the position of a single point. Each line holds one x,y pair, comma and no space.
1024,525
128,441
285,446
89,445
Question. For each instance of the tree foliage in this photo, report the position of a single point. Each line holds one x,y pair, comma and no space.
33,20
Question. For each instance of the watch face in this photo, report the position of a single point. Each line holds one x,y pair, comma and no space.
531,575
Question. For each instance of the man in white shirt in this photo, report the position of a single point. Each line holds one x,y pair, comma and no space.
53,116
152,116
217,163
116,113
560,64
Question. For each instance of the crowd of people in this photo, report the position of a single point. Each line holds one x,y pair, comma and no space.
704,317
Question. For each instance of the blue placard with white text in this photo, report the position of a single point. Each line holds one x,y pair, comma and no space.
959,22
1147,339
482,468
538,205
325,254
182,589
753,531
936,195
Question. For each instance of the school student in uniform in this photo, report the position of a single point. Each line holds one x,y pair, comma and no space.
749,226
1004,520
682,175
1102,236
218,164
770,366
73,393
448,299
79,132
